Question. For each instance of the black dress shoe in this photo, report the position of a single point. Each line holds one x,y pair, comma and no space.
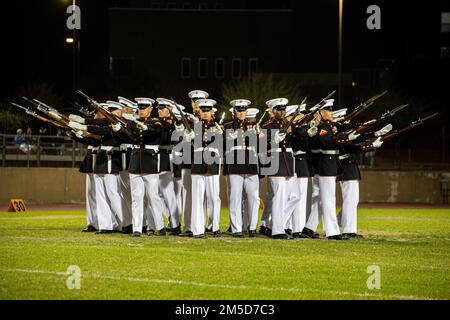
89,229
104,232
200,236
175,231
168,229
337,237
151,232
136,234
288,231
229,229
238,234
161,232
217,234
252,233
187,234
144,229
308,233
283,236
296,235
207,230
268,232
127,229
262,230
353,235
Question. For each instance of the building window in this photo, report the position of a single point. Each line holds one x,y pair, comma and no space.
236,66
203,68
185,67
220,68
252,66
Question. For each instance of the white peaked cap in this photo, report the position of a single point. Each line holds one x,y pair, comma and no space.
340,113
199,94
206,103
166,102
176,112
114,104
290,110
147,101
277,102
329,103
240,103
127,102
252,112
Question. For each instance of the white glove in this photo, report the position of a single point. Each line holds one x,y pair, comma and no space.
256,128
189,136
313,123
377,143
353,136
141,126
116,127
129,116
77,126
219,129
79,134
75,118
233,135
279,137
383,130
179,128
312,131
192,117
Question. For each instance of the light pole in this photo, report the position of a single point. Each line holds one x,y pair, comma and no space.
340,93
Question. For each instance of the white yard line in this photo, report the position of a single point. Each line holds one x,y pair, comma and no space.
222,286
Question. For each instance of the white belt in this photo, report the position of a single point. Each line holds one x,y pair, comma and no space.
330,152
241,148
345,156
90,148
281,150
316,151
147,147
299,152
207,149
109,148
125,147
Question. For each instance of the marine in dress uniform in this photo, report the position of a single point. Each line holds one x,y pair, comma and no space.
144,169
282,161
241,168
205,170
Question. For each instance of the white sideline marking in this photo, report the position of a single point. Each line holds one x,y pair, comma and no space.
224,286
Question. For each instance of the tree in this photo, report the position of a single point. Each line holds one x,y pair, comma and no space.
260,88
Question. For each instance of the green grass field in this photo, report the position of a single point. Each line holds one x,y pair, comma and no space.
411,247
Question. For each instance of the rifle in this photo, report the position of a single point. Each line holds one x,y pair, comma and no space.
222,118
112,118
183,117
316,108
34,114
384,116
363,106
291,121
413,124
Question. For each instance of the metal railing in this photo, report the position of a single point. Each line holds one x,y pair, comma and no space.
40,151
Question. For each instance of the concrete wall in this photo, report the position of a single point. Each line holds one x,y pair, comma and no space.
67,185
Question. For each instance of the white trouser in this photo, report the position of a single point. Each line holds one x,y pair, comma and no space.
91,205
299,215
146,185
201,185
209,213
292,201
238,184
278,203
347,217
166,185
246,215
178,189
106,189
125,191
327,187
187,199
316,206
267,213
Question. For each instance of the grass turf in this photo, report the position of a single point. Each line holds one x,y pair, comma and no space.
411,247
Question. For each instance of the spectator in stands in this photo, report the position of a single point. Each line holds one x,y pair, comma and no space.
61,148
22,142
